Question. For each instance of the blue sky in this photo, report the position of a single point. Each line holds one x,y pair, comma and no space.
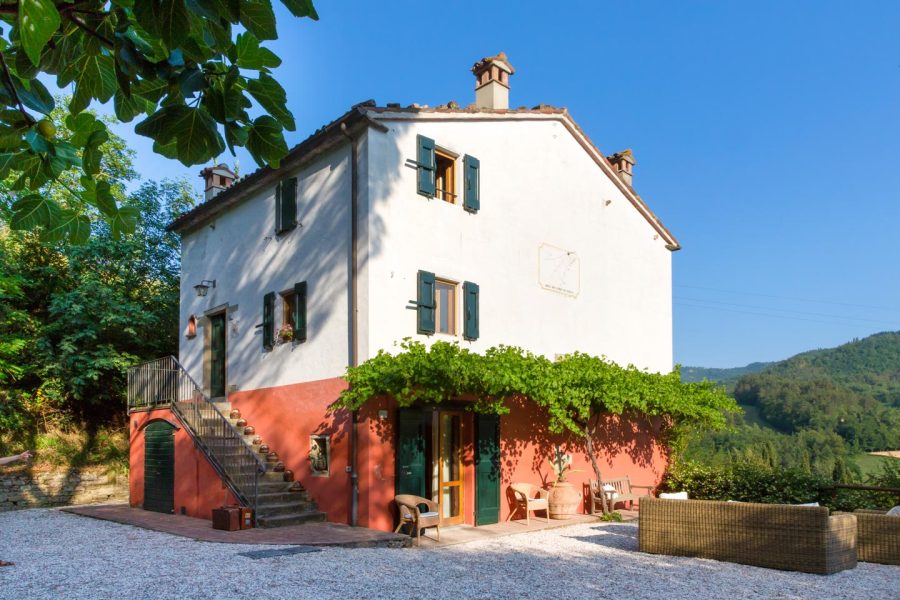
767,137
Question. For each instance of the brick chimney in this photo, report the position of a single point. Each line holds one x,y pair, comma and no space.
216,179
492,81
623,163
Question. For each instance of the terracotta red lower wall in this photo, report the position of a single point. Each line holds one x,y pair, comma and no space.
287,416
198,488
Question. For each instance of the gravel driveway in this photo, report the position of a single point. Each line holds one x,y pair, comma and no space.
59,555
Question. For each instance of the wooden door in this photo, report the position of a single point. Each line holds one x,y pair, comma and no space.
410,452
217,356
159,467
450,467
487,469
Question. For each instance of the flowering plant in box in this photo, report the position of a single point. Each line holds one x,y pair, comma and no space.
286,333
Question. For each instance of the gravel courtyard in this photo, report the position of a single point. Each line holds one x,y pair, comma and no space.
59,555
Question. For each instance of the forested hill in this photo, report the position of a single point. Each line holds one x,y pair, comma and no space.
818,409
868,366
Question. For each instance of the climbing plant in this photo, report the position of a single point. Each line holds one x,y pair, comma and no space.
576,391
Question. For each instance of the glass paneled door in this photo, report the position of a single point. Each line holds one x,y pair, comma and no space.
450,471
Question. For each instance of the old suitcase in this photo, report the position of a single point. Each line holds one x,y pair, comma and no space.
227,518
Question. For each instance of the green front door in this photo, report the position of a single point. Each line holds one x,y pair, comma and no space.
159,467
410,452
217,356
487,469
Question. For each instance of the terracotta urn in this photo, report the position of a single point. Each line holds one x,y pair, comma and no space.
249,430
564,499
272,457
279,467
235,413
257,440
241,423
288,475
264,449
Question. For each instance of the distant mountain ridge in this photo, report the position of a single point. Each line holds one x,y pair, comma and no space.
869,366
692,374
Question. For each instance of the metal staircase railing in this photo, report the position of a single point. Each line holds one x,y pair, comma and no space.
165,383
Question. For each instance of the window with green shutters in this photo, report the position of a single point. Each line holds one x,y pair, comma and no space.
268,324
470,310
425,165
425,303
471,187
299,312
286,205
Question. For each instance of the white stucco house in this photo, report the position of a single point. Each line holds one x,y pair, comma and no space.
483,225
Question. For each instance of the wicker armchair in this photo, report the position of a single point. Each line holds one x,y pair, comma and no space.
525,499
877,537
408,505
776,536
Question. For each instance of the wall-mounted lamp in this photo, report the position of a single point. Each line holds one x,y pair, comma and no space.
204,286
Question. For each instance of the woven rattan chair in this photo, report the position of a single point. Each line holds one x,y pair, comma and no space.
410,514
526,499
877,537
777,536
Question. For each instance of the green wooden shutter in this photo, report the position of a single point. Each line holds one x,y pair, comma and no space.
425,161
470,310
487,469
472,195
425,303
300,312
411,451
269,321
286,205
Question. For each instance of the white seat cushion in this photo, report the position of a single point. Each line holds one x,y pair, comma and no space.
428,514
894,512
674,495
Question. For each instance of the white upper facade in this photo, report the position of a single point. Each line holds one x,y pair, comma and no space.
565,256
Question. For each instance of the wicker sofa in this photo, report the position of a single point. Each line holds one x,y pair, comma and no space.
877,537
777,536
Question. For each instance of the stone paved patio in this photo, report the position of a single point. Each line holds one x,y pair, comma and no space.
310,534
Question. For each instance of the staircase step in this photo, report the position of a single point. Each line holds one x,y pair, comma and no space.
287,520
286,508
282,497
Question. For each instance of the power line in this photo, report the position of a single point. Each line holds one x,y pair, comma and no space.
794,299
746,312
788,310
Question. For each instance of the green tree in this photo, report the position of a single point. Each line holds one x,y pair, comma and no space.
74,317
183,67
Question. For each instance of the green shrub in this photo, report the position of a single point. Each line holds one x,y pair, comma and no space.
749,482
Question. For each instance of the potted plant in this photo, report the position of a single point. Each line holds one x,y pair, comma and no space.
564,497
286,333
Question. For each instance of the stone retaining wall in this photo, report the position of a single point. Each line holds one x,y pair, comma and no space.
23,488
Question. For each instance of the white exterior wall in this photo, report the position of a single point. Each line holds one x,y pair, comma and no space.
538,186
240,250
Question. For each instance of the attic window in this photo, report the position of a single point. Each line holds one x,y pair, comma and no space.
445,176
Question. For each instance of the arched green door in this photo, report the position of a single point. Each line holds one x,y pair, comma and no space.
159,467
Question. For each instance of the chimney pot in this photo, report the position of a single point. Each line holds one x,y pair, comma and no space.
623,162
492,81
216,180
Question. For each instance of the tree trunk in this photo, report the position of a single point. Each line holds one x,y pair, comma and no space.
589,447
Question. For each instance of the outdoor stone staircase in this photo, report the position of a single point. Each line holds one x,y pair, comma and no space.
281,500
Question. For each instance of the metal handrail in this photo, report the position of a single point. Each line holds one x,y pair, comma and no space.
165,383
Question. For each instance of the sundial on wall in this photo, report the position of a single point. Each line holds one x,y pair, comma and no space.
559,270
